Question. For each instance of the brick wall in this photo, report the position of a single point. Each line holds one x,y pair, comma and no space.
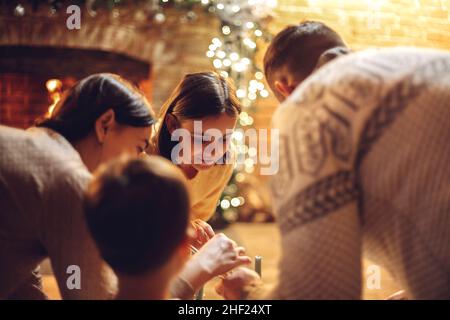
23,98
184,48
367,23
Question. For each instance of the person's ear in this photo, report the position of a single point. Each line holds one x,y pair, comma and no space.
331,54
103,124
171,122
284,88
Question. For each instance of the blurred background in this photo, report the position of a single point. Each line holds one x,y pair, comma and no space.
44,50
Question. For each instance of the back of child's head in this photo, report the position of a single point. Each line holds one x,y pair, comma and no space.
137,211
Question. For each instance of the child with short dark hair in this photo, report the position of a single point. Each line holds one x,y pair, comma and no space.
137,211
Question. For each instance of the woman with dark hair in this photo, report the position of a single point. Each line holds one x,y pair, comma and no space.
102,116
43,174
202,104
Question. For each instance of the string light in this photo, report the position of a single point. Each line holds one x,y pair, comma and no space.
226,30
217,63
264,93
221,54
235,202
217,42
238,135
240,177
225,204
240,93
234,56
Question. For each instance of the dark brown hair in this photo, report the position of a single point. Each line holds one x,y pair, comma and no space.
75,114
137,211
197,96
299,47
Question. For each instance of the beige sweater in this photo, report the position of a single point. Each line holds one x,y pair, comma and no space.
365,168
205,190
42,180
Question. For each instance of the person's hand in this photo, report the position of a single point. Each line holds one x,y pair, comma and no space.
237,284
218,256
202,233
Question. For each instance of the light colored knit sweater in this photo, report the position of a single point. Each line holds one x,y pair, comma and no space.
365,168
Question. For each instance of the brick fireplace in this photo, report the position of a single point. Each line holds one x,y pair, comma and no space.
23,92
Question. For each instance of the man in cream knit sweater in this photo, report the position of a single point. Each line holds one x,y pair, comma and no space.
364,166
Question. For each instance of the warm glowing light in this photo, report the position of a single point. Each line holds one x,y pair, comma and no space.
239,67
249,25
240,177
249,169
249,162
264,93
240,93
221,54
217,63
259,75
226,30
246,61
234,56
225,204
235,202
54,87
53,84
217,42
238,135
243,115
